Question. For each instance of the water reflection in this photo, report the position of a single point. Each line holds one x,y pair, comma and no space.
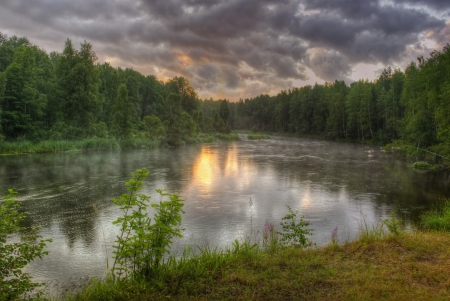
231,189
203,172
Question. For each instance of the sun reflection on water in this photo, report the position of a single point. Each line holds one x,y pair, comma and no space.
203,171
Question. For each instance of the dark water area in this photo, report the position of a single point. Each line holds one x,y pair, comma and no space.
230,190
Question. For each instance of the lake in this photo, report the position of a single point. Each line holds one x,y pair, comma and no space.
230,190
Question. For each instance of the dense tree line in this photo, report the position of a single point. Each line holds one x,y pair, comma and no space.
410,106
69,95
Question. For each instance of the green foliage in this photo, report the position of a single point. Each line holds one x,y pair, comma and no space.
59,145
228,137
394,225
123,114
23,101
153,127
100,130
142,243
205,138
15,255
182,87
224,111
77,86
424,165
439,218
293,231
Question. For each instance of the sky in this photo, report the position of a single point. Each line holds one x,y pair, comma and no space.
237,49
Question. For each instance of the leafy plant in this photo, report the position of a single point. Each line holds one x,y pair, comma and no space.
394,225
142,242
15,255
294,232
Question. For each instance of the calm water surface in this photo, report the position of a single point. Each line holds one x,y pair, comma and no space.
230,191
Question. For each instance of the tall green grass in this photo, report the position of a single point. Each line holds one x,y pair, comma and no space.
228,137
256,136
138,143
378,269
50,146
439,218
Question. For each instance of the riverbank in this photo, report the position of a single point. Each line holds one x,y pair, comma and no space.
412,266
93,144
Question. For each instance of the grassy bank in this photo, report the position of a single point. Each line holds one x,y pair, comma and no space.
51,146
27,147
438,219
407,267
257,136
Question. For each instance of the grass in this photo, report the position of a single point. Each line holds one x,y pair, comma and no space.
255,136
412,266
51,146
228,137
206,138
439,218
421,165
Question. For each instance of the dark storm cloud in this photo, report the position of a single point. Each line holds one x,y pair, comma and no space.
372,34
329,65
235,46
436,4
355,9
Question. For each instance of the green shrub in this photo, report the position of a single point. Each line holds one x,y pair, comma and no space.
15,255
294,232
142,243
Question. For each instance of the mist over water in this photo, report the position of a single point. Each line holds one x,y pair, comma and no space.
230,190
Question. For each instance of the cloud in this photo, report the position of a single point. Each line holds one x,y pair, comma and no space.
441,36
436,4
329,65
235,47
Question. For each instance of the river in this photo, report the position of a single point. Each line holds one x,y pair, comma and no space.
230,190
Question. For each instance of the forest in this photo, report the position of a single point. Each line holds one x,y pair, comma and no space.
71,96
